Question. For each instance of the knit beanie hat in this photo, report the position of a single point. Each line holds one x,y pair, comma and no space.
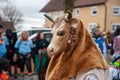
94,30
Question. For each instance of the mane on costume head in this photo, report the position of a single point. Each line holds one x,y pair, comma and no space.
73,49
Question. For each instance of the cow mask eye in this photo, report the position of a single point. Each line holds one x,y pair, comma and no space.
61,33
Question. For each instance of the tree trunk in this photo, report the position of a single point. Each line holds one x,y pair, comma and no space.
69,5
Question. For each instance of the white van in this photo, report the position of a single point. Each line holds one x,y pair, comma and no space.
33,32
48,36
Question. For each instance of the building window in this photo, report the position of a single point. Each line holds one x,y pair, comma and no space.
94,11
114,26
116,10
77,12
91,26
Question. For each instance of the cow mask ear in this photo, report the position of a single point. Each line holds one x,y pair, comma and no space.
69,15
74,23
49,18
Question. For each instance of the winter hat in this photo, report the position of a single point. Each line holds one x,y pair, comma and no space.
1,26
94,30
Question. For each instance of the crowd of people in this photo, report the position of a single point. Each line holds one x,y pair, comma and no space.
109,44
19,52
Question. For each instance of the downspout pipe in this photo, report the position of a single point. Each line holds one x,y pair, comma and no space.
105,19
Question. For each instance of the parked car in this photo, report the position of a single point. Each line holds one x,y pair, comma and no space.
48,36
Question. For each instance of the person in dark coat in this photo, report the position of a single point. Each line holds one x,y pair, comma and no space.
41,58
12,38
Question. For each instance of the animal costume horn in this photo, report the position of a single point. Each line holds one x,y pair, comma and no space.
69,15
49,18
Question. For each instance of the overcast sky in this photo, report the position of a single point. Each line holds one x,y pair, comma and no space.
30,10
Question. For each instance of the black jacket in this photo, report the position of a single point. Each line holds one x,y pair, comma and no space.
40,44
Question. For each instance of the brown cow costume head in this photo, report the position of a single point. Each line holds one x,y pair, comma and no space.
73,50
65,34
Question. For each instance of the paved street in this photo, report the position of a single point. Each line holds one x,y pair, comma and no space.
26,77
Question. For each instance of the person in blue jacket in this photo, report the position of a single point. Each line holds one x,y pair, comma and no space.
99,40
4,44
24,48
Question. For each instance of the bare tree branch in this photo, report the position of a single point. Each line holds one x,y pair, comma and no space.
12,14
4,0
